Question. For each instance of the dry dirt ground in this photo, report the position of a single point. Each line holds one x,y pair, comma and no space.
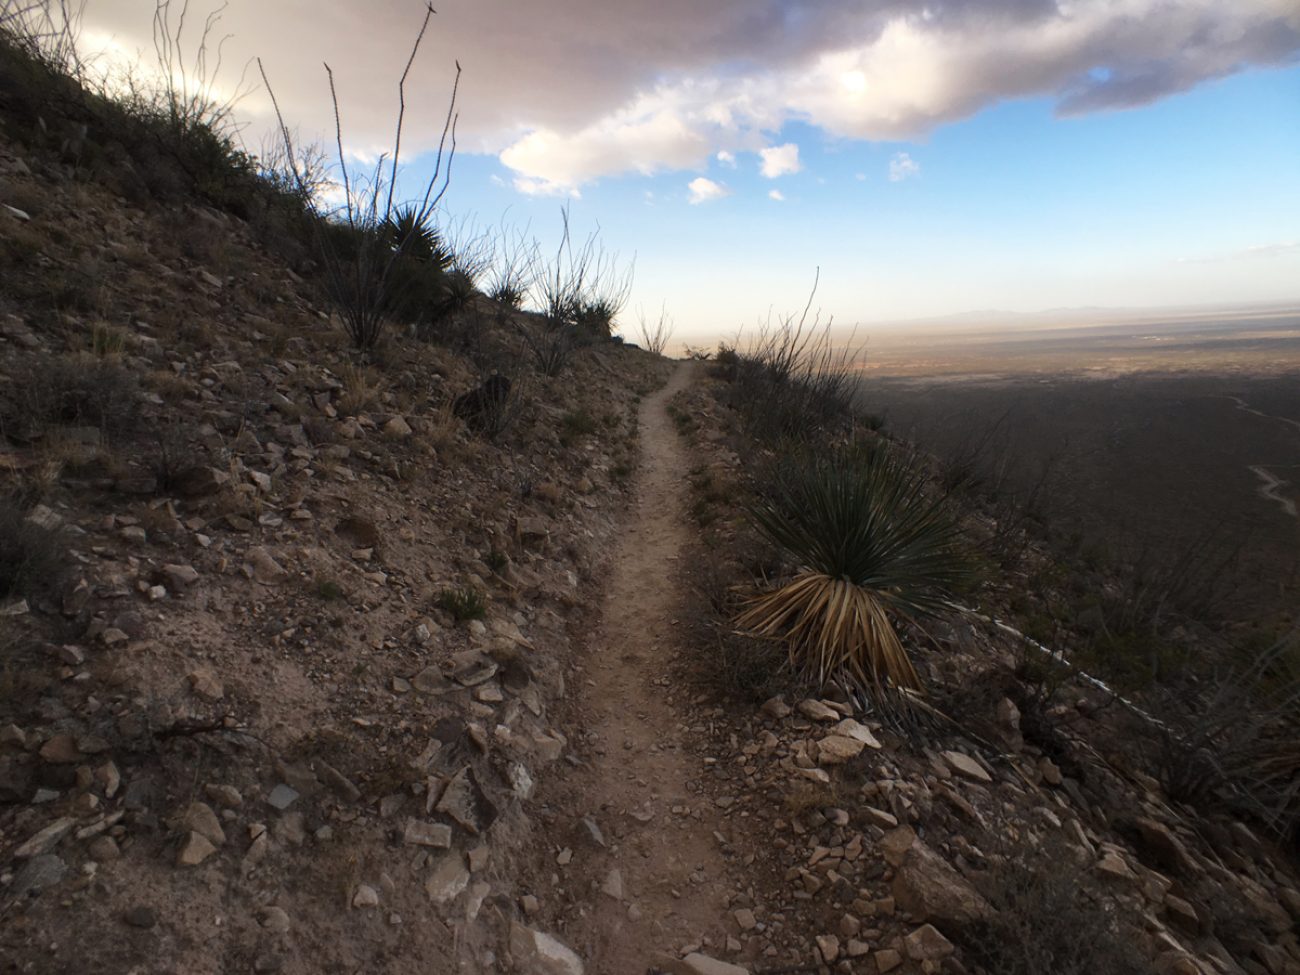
643,878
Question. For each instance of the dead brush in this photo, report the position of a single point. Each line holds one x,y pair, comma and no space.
803,796
363,388
442,428
1046,917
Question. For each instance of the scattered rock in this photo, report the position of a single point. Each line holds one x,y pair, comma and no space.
366,896
397,429
463,801
447,880
856,730
274,919
1165,848
1113,867
828,945
341,785
140,916
927,944
199,818
38,874
613,885
817,711
282,796
927,887
103,849
775,707
1050,773
224,795
420,833
541,954
180,576
264,567
838,749
697,964
61,750
966,766
46,839
194,850
887,960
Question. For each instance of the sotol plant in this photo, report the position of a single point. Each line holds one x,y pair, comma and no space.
870,547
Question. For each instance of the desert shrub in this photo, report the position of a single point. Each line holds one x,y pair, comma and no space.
172,455
76,391
493,407
364,277
30,555
577,294
509,280
1045,919
576,424
792,380
655,335
868,546
328,589
463,604
748,669
1238,748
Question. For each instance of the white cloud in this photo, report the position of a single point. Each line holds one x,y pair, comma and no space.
776,195
902,167
541,187
669,86
726,158
780,160
1282,248
705,190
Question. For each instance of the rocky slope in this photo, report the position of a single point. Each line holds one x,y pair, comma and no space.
279,680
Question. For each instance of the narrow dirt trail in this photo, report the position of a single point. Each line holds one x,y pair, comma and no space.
659,882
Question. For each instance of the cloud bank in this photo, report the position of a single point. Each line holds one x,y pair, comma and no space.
570,91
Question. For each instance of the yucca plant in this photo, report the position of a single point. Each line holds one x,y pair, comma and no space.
412,234
870,548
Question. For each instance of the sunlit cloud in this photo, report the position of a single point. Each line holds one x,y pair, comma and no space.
902,167
780,160
704,190
776,195
567,93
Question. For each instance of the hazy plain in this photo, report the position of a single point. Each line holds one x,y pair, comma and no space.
1146,433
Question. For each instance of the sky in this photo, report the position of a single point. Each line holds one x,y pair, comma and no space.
916,159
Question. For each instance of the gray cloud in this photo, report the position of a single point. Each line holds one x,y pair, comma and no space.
568,91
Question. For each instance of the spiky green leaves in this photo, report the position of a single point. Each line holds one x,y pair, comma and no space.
869,545
411,236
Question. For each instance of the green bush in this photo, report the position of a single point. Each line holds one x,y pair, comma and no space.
462,604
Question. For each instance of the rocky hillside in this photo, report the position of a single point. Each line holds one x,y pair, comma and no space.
281,630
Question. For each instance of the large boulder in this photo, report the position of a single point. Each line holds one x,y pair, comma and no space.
929,889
